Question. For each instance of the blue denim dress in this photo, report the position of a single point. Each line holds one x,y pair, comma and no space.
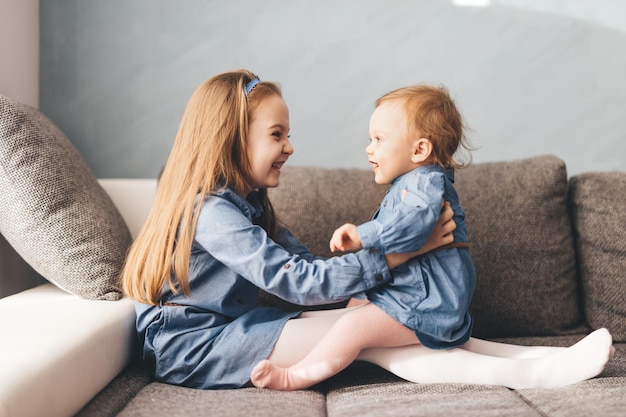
430,294
216,335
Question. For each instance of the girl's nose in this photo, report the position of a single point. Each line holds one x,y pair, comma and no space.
288,149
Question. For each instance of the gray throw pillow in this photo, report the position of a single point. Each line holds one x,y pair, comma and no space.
52,209
598,200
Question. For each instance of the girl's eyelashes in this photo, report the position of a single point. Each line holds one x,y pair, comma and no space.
279,134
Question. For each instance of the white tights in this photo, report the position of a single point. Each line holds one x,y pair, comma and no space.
477,362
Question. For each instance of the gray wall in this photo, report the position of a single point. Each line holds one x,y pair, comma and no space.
531,77
19,50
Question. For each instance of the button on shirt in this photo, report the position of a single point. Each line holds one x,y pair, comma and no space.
213,337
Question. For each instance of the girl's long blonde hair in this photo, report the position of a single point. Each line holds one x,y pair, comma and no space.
208,154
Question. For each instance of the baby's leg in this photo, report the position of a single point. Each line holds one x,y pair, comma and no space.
362,327
581,361
300,335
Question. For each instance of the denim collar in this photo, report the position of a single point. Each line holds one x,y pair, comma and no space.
427,169
250,206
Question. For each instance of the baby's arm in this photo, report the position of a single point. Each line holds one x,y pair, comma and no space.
345,238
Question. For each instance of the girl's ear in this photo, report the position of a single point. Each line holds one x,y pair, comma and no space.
422,148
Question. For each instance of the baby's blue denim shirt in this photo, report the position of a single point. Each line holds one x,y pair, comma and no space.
213,337
431,293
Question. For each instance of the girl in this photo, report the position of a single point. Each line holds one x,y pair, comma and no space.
211,241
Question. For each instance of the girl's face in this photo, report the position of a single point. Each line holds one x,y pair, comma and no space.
268,146
390,150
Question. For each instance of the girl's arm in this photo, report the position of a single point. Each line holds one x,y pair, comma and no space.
234,242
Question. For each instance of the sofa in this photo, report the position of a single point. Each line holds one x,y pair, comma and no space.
549,252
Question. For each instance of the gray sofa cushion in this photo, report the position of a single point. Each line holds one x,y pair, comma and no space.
53,211
598,202
441,400
159,399
522,247
525,287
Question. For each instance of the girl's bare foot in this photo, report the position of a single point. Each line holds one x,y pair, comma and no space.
267,375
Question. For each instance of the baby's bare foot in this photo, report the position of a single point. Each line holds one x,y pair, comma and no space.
267,375
263,374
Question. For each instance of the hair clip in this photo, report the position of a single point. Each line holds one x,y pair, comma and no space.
250,86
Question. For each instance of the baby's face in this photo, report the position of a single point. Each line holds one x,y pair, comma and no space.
391,143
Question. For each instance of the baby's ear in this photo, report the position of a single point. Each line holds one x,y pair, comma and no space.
422,148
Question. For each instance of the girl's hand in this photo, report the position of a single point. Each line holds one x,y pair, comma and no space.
442,233
345,238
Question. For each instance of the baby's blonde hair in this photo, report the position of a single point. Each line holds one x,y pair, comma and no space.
209,153
432,114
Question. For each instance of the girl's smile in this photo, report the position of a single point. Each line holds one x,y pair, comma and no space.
268,141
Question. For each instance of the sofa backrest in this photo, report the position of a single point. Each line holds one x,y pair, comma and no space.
133,198
522,246
518,226
598,202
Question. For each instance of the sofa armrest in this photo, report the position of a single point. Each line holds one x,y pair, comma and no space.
58,350
132,197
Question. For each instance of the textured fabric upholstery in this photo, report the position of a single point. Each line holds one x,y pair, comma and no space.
313,202
54,212
598,202
518,227
522,246
167,400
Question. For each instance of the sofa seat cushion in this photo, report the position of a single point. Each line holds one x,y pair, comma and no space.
158,399
364,389
58,350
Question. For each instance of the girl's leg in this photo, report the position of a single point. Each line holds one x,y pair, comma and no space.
576,363
362,327
300,335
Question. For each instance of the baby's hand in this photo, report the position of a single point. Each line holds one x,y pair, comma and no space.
345,238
